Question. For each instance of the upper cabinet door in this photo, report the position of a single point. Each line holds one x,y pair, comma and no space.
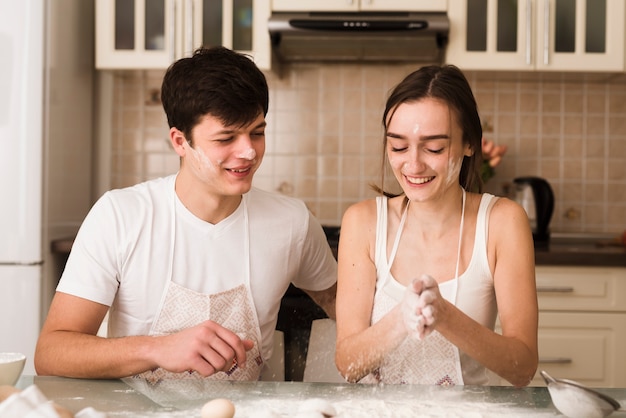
559,35
135,33
581,35
358,5
490,34
151,34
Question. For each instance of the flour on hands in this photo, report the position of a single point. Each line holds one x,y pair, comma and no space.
418,311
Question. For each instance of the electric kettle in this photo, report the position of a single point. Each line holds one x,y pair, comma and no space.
535,195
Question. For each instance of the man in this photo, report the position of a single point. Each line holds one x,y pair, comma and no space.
190,267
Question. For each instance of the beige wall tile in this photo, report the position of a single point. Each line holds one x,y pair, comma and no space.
617,102
596,126
571,192
594,148
285,142
551,102
506,124
617,170
615,218
595,170
617,195
507,101
551,125
550,169
617,147
596,102
528,147
593,192
529,101
307,166
550,147
329,166
329,144
307,187
593,214
617,125
351,77
573,102
573,147
529,124
485,100
573,170
328,188
572,125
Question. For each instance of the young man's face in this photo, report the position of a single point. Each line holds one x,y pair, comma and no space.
225,158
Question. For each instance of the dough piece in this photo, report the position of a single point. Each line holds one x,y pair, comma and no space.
316,407
218,408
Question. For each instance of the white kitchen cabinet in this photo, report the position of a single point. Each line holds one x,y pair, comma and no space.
358,5
151,34
547,35
582,324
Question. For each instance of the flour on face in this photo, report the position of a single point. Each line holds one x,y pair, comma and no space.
247,154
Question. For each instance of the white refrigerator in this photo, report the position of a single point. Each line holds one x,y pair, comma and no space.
38,43
21,174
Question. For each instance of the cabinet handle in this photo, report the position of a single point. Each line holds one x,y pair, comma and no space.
555,360
555,289
546,33
188,28
172,26
529,45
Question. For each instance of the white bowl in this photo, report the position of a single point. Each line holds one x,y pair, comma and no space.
11,366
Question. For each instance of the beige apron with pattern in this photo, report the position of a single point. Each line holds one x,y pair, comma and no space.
234,309
432,360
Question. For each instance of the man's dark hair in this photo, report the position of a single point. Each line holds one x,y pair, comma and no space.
216,81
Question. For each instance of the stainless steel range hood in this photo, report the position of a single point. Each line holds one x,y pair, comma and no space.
382,37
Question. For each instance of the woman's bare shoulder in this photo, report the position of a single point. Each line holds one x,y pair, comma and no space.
509,223
504,208
362,210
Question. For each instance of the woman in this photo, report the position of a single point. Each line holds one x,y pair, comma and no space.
423,274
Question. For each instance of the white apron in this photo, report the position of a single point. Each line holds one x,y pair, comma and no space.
432,360
233,309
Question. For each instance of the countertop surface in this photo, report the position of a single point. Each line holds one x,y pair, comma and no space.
591,250
185,398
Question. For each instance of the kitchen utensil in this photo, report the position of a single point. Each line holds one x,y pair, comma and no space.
578,401
535,195
11,366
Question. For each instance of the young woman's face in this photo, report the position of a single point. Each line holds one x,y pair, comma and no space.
425,148
225,158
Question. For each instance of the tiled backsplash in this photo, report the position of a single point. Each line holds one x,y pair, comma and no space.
324,136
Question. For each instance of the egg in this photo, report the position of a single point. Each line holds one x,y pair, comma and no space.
218,408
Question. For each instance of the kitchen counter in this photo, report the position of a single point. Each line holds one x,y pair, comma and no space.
137,398
591,250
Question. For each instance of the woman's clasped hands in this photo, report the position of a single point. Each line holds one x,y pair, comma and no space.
419,306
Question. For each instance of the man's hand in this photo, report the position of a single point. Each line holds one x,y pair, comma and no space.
206,348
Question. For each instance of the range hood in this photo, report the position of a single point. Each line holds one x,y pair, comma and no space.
359,36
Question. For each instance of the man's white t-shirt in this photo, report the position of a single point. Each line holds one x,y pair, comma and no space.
134,240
